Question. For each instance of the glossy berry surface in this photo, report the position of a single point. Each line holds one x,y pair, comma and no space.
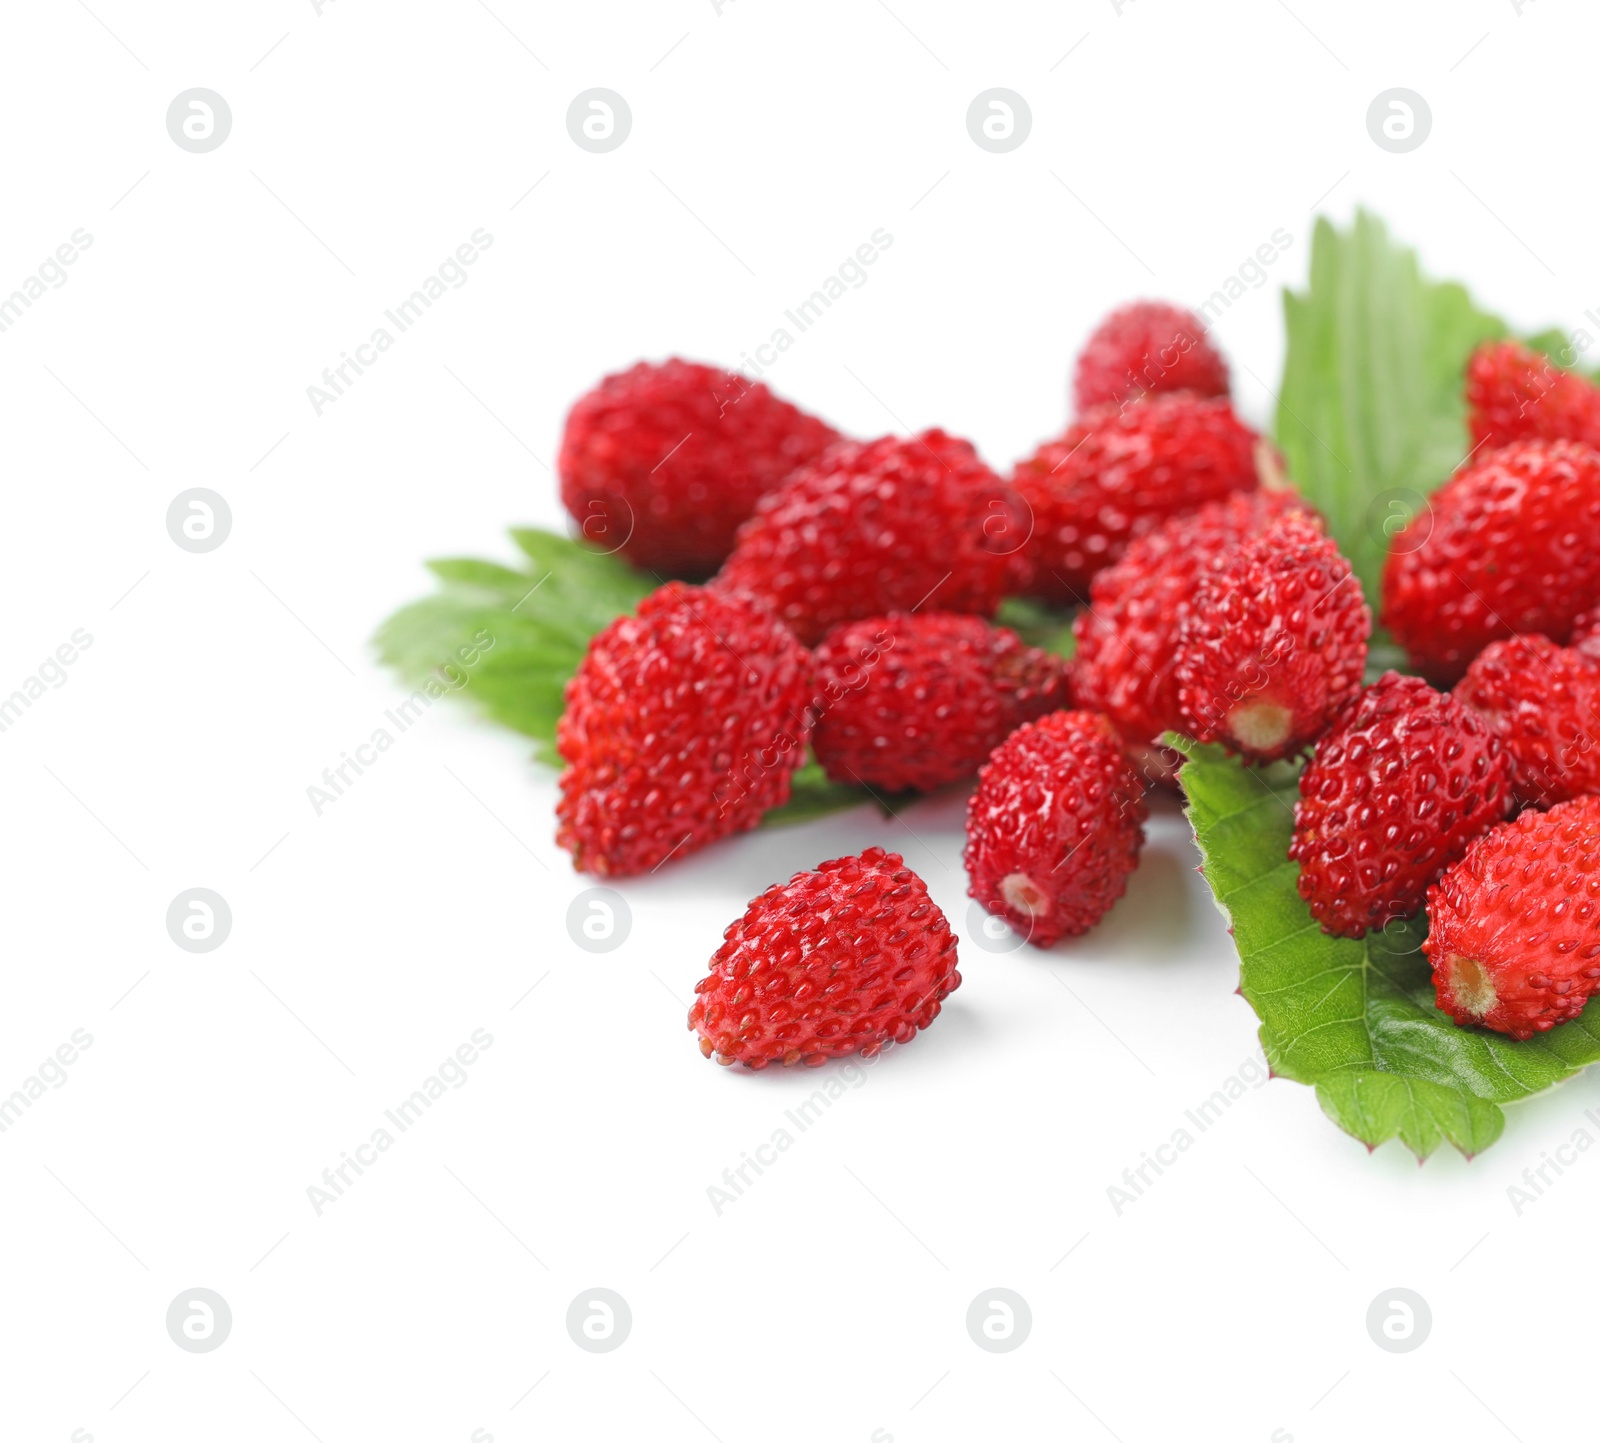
1515,393
1390,798
912,701
663,462
1543,702
1274,644
1507,545
1514,926
1145,348
888,525
1055,826
842,960
1126,660
682,724
1115,471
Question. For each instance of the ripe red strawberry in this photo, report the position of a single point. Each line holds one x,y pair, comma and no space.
1125,664
1146,347
1392,796
682,725
843,959
1543,702
1506,545
1514,926
1274,643
1055,826
915,700
876,527
1115,470
1516,394
663,462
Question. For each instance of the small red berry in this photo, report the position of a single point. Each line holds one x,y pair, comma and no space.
1125,664
1274,643
663,462
1115,471
1391,797
1055,826
845,959
880,526
1506,545
1543,702
682,725
912,701
1514,926
1516,394
1147,347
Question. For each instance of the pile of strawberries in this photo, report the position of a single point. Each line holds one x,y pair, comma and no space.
834,601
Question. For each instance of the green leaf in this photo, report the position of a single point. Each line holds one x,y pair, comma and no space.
1039,625
1371,416
1354,1019
506,641
811,795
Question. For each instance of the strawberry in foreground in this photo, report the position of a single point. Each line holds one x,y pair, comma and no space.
1506,545
912,701
1055,826
683,724
663,462
841,960
1274,643
886,525
1125,664
1392,796
1543,702
1114,471
1514,393
1514,926
1145,347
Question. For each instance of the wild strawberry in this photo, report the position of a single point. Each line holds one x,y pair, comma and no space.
1391,797
1506,545
1125,664
1543,702
881,526
1115,471
1055,826
682,725
1514,926
1516,394
915,700
1147,347
1274,643
844,959
662,462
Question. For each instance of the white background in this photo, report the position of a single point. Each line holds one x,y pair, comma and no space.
829,1300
